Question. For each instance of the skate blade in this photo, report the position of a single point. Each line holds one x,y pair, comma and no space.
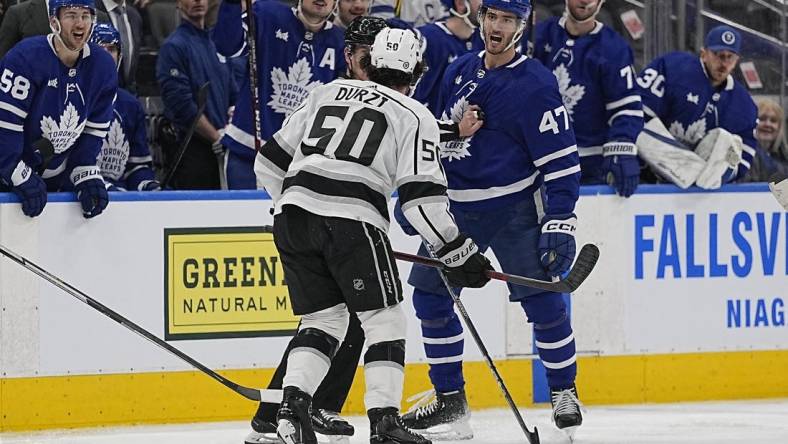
570,432
261,438
286,431
332,439
455,431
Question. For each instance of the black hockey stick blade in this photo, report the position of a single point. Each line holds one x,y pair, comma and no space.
47,151
253,394
585,263
202,99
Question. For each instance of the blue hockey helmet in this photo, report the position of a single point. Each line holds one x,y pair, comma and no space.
520,8
55,5
105,34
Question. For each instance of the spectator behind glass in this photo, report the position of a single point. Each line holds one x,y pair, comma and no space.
772,153
187,60
27,19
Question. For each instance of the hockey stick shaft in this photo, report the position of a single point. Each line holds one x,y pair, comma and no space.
251,44
533,437
202,99
274,396
586,260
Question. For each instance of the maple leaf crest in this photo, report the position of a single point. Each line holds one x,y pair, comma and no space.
571,95
292,88
64,133
456,149
692,134
114,152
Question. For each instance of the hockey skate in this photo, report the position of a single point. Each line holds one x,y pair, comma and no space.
442,417
263,432
332,426
385,427
294,425
567,408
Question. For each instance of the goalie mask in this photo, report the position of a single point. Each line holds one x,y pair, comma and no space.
54,7
520,8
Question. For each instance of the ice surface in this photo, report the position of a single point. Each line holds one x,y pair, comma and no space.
761,422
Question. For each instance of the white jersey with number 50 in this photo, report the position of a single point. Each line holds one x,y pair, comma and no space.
347,147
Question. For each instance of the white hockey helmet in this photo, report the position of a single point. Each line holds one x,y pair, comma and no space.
397,49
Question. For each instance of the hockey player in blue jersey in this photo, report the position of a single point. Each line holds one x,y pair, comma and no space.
494,178
298,49
593,66
60,88
711,116
125,158
445,41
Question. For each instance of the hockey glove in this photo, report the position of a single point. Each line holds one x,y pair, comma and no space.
464,266
149,185
91,190
621,167
399,216
30,188
557,243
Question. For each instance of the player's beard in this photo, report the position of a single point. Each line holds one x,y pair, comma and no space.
581,14
493,47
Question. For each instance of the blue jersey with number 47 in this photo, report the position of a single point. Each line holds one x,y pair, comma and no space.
526,141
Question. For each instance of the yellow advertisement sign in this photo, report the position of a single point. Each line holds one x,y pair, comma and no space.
224,282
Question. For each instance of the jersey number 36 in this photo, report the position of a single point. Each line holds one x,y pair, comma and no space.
19,86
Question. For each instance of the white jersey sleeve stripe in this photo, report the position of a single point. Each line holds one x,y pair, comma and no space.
240,136
648,111
559,174
626,112
488,193
11,126
94,132
140,159
97,125
555,155
621,102
13,109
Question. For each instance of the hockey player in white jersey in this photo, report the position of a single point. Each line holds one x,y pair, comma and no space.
125,159
330,171
593,66
701,123
60,88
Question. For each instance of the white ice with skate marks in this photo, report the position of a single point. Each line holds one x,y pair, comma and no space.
761,422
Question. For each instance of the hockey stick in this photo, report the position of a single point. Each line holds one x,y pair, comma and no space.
272,396
778,184
251,44
202,97
533,437
586,260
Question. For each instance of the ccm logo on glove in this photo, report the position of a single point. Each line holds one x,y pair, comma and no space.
560,226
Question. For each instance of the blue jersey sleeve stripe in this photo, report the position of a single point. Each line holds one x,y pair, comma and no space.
13,109
626,112
555,155
561,173
11,126
621,102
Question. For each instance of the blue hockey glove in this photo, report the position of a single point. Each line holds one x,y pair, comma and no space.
621,167
557,243
464,265
399,216
149,185
91,190
30,188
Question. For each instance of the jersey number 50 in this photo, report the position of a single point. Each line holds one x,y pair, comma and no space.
364,121
19,85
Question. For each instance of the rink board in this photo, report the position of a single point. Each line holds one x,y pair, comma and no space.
687,303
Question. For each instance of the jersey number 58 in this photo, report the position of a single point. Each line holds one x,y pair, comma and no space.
19,86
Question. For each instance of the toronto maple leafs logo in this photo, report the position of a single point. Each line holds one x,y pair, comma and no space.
571,95
292,88
114,152
690,135
64,133
456,149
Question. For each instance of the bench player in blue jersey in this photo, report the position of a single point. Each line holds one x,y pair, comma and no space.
60,88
